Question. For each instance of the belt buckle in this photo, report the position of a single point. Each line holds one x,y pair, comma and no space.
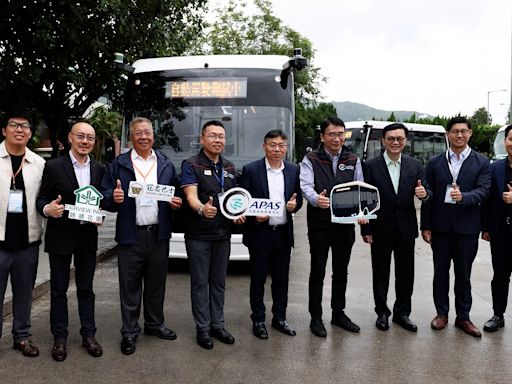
275,227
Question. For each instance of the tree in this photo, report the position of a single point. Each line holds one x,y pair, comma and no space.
392,117
107,125
55,56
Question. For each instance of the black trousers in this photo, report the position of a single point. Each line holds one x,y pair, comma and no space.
462,250
340,242
502,267
403,252
85,265
272,255
142,276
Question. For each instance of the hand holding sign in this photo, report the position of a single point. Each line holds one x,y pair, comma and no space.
455,193
118,193
54,209
175,202
420,191
292,203
323,201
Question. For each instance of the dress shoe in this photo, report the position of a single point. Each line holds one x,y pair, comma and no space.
222,335
128,345
260,331
162,333
494,324
283,327
382,322
439,322
343,321
317,327
468,327
405,323
59,351
92,346
26,347
204,339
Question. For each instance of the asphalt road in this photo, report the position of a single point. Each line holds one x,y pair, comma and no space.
372,356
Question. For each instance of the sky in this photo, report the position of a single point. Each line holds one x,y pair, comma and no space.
440,57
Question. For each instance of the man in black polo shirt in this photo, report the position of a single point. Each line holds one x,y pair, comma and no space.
207,233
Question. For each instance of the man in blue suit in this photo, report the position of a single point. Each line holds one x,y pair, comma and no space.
450,221
270,239
497,228
399,178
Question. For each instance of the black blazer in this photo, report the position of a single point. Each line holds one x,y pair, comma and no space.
397,213
59,178
494,208
474,181
254,179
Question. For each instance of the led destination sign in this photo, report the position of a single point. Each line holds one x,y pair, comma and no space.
207,88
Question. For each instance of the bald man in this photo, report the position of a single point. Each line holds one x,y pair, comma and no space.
67,237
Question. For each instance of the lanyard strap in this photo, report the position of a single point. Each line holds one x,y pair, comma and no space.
139,171
17,172
220,179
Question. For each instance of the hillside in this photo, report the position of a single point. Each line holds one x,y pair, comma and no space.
349,111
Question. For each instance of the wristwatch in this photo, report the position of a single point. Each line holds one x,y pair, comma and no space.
200,210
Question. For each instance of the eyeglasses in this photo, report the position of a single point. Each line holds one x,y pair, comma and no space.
81,137
214,137
397,139
273,146
14,125
139,134
333,135
456,132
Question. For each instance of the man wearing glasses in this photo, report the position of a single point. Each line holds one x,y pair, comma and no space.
331,164
143,230
399,179
460,181
20,227
204,178
270,239
66,238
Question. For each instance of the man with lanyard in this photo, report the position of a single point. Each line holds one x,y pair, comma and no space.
451,221
331,164
204,178
66,238
20,226
497,228
143,230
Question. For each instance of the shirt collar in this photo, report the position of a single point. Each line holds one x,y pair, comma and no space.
268,166
74,161
463,154
389,161
135,155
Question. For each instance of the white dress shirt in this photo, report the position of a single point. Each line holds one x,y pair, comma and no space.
146,210
275,179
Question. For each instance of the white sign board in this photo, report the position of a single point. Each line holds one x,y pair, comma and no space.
87,203
238,202
151,191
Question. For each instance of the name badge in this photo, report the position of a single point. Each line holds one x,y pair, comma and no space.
447,198
208,172
15,202
146,202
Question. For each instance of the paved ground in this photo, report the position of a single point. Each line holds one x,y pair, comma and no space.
395,356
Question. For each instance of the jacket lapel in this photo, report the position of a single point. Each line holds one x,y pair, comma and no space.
263,178
70,172
383,168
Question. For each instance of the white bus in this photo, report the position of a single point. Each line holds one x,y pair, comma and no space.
499,144
424,140
249,94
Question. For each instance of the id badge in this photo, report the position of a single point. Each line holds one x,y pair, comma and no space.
15,202
447,198
145,202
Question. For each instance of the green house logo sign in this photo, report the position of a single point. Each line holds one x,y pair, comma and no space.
88,196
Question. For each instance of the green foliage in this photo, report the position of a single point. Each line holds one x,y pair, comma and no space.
107,124
392,117
55,56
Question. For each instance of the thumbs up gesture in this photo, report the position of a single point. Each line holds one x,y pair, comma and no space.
455,193
322,200
118,193
54,209
420,191
209,210
507,195
292,203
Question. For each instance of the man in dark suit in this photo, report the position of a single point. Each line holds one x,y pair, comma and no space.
66,237
450,221
270,239
497,228
399,178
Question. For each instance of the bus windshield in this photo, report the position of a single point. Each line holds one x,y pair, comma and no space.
499,145
249,102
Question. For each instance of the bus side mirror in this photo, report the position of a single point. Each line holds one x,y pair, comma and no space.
308,144
119,63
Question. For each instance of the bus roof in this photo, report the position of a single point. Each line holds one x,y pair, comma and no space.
211,61
410,126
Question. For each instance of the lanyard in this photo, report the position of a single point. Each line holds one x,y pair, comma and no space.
450,166
139,171
220,179
17,172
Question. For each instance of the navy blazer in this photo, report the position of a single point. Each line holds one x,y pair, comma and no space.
474,181
492,210
254,179
59,178
397,213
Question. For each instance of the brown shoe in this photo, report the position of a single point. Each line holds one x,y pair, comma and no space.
439,322
26,347
92,346
468,327
59,352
